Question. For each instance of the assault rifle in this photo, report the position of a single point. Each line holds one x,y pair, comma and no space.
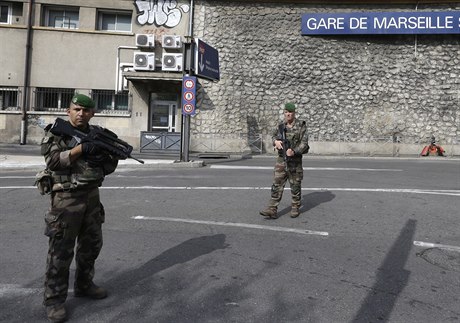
285,143
103,138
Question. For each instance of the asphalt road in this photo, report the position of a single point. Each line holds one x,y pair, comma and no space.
377,241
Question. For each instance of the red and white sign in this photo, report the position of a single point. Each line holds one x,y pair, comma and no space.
188,108
189,96
189,84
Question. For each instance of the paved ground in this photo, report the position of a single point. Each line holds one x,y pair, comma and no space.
188,245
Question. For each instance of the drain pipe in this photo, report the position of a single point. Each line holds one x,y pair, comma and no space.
118,75
26,90
190,26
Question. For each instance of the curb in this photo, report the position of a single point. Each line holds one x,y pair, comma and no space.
28,162
381,157
21,162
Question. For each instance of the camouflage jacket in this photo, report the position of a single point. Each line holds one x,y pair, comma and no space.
76,175
297,137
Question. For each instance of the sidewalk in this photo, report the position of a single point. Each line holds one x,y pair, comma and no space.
20,157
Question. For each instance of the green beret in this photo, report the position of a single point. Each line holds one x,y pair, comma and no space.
83,101
289,107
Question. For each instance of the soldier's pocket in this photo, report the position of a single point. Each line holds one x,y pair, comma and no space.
297,172
279,168
54,227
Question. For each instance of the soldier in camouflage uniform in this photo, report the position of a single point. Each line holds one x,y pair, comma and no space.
76,212
288,166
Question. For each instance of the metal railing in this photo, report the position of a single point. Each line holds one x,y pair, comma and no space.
392,145
107,101
241,143
152,141
52,99
58,100
9,99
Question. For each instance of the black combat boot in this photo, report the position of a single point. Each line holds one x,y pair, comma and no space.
295,212
271,212
93,291
56,313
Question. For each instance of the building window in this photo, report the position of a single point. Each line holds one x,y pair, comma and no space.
61,17
8,99
114,21
109,101
5,13
53,99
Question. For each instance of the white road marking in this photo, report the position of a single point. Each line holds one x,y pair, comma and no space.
233,224
17,290
308,168
262,168
13,177
436,245
255,188
11,290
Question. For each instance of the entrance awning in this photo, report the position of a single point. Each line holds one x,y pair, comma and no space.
154,76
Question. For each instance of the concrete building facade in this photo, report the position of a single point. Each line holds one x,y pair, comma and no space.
362,94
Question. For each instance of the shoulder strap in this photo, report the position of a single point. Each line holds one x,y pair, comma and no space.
303,129
281,128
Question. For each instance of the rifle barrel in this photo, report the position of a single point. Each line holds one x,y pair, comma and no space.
137,159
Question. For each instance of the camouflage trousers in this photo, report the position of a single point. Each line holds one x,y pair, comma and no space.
294,174
74,215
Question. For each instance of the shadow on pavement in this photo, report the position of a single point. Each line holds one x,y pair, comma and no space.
310,201
390,281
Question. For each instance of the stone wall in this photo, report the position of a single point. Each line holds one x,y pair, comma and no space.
357,88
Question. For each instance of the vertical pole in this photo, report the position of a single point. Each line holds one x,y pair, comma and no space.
181,153
188,56
186,153
27,71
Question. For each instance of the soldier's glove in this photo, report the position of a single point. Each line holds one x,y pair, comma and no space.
89,148
97,160
44,181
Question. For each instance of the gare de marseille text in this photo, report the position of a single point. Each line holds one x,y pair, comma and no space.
376,23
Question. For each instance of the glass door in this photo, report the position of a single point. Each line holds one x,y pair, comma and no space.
163,116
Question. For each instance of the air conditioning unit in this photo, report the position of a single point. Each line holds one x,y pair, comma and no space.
144,61
145,40
171,41
172,62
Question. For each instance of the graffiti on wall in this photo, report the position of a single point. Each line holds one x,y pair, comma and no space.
160,12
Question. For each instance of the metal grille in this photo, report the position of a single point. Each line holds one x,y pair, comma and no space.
155,141
108,101
8,99
212,142
53,99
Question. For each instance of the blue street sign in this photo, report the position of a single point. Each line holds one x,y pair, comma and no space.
206,61
188,95
410,22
